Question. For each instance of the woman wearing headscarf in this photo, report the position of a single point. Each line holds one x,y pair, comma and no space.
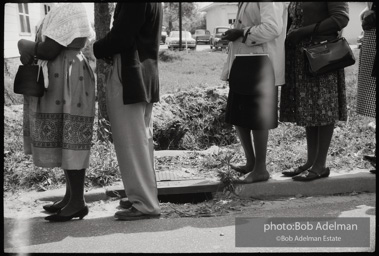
58,126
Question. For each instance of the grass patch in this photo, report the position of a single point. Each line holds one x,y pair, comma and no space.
190,70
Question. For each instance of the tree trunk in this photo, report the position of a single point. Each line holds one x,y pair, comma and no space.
103,13
170,18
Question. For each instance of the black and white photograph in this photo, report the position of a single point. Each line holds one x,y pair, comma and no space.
189,127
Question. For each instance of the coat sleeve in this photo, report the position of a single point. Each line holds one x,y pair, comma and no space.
338,13
271,25
125,29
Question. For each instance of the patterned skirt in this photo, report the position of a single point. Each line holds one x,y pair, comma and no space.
366,99
311,100
58,126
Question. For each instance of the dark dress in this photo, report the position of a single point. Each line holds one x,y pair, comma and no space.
307,100
366,95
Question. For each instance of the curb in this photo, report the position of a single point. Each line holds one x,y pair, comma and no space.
340,184
57,194
273,188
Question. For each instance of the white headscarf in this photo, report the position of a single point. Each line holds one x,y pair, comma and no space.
64,23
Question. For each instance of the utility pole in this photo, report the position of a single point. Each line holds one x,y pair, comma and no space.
180,26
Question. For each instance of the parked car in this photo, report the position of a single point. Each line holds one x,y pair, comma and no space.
187,41
202,35
215,39
360,40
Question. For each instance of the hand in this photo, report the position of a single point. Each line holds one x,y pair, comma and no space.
26,59
369,20
295,36
232,34
25,47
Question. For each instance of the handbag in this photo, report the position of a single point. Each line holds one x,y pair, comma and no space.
328,56
29,81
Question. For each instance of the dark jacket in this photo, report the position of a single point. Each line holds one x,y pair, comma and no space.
334,13
135,35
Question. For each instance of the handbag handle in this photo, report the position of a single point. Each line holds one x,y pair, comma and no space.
316,29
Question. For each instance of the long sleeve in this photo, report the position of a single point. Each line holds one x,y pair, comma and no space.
271,25
125,28
338,18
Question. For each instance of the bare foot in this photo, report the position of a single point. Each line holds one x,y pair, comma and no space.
242,168
252,177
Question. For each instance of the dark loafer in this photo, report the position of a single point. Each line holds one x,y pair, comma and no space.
133,214
125,203
311,175
292,173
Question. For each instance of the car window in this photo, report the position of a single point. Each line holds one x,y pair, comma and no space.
185,34
221,30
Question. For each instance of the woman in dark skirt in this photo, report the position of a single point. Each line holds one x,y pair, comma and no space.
315,102
255,66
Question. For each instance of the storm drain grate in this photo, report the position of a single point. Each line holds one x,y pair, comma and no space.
171,184
168,176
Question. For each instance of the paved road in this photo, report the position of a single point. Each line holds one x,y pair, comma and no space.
178,235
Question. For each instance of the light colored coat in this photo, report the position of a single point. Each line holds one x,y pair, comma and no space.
264,25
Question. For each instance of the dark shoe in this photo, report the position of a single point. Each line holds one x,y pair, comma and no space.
371,159
125,203
239,168
311,175
292,173
52,208
373,171
133,214
59,218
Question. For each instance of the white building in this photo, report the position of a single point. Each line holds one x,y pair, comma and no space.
220,14
224,14
20,22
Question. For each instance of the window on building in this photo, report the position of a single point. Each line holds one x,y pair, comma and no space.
231,21
47,8
24,18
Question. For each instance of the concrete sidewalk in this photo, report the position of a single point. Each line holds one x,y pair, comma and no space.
277,186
